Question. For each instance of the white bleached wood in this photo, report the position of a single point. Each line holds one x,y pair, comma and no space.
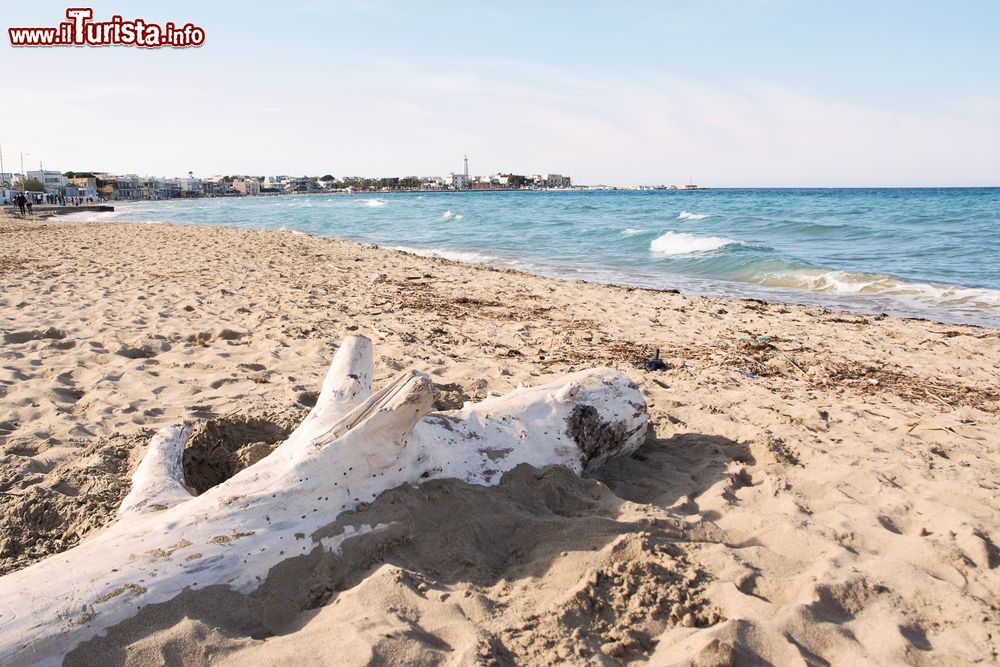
158,482
347,384
352,446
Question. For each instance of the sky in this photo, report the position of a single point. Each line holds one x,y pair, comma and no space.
724,93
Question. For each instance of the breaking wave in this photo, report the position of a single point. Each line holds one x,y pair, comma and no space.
679,243
107,216
685,215
464,256
632,231
374,203
844,282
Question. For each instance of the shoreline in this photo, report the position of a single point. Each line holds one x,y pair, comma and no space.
813,478
826,308
902,305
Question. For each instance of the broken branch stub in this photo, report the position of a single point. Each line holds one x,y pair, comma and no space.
350,447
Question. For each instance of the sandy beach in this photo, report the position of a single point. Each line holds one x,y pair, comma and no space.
818,488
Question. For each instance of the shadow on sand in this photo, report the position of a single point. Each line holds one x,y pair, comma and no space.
448,532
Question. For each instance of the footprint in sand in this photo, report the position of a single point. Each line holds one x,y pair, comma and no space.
18,337
145,348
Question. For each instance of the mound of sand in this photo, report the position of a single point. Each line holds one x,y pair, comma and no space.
546,566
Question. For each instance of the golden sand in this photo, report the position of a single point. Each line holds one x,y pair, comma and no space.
820,487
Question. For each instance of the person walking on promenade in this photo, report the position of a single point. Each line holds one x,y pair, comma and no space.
20,200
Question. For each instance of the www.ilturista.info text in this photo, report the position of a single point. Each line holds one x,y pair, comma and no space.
80,30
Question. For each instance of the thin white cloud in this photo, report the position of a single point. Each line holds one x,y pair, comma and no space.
642,126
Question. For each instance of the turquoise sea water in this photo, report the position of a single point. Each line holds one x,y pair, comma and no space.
913,252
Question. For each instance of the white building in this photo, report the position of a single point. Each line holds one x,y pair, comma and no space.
54,181
457,181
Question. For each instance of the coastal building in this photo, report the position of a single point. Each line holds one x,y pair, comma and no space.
189,187
105,185
274,181
130,186
163,188
459,181
512,180
295,184
83,182
456,181
246,187
114,187
216,186
54,181
81,186
148,188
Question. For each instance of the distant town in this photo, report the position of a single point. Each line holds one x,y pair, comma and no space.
51,186
56,187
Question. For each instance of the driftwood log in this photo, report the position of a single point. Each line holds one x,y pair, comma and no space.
352,446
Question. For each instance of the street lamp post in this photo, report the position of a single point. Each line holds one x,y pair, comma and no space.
24,176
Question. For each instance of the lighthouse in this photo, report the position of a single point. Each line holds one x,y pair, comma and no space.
466,167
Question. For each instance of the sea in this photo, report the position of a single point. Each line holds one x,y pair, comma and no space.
927,253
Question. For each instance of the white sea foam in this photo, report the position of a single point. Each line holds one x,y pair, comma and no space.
679,243
632,231
374,203
685,215
108,216
90,216
843,282
464,256
447,215
459,216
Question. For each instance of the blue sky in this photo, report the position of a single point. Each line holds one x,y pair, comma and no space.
756,93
